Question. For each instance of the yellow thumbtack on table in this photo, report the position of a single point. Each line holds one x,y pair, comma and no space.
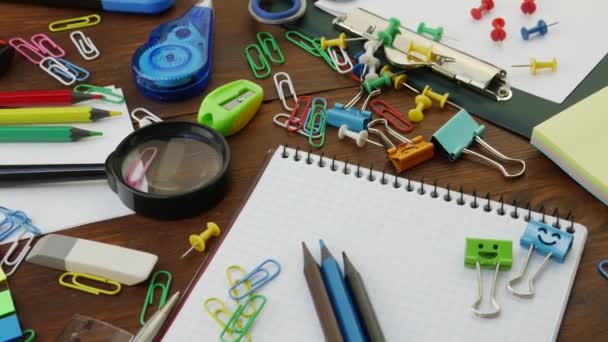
199,242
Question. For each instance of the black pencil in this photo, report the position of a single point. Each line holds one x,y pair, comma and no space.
355,285
320,298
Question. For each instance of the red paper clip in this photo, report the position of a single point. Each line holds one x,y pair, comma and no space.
391,115
295,123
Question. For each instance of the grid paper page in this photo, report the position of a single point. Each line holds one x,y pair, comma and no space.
408,247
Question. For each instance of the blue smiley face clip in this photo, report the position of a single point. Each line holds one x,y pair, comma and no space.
546,240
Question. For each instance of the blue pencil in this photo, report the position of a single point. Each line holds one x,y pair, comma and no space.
340,298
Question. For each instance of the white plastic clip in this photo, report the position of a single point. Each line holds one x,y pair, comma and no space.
85,45
19,258
146,119
278,83
63,75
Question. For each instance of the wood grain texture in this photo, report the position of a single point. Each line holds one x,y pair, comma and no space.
45,306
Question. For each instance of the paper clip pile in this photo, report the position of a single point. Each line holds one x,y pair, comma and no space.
236,326
12,221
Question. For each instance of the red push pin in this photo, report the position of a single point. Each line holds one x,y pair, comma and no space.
486,6
498,34
528,7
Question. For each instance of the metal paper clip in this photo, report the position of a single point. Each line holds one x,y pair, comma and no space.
277,121
546,240
296,122
485,253
257,278
86,288
146,119
269,46
341,59
278,83
316,130
261,70
602,268
318,118
74,23
58,71
81,73
326,57
234,322
108,94
19,258
29,335
216,308
47,46
232,281
392,115
164,292
27,50
85,45
479,75
456,135
408,153
358,97
303,42
138,167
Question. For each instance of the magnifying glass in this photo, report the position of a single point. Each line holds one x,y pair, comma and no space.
170,170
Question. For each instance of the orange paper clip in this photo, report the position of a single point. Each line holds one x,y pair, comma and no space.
392,115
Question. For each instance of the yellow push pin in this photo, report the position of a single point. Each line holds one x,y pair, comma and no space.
199,242
339,42
399,80
441,99
425,51
535,65
422,102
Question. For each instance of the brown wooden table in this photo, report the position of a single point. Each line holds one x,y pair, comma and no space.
45,306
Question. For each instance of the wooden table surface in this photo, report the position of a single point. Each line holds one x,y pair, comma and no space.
46,307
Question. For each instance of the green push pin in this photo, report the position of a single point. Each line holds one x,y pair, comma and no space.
387,37
435,33
382,81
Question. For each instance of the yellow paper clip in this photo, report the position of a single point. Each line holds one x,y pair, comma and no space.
89,289
218,309
247,285
74,23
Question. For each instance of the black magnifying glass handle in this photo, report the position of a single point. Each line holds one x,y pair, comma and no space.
51,173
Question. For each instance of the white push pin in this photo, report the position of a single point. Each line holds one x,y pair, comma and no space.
359,137
370,61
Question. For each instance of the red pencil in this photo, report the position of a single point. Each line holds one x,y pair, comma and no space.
44,98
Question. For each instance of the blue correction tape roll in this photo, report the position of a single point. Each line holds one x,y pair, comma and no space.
175,63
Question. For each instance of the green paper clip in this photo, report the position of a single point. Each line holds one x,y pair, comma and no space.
270,45
233,322
319,113
217,309
487,253
264,68
164,292
303,42
108,94
29,335
324,54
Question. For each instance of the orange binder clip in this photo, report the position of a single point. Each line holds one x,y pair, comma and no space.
408,153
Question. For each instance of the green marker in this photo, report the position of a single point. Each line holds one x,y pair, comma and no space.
44,133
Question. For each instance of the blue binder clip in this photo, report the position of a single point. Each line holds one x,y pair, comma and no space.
344,115
456,136
547,240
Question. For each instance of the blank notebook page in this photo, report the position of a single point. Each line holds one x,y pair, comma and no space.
408,246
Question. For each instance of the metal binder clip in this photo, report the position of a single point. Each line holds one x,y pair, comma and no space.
257,278
278,83
546,240
408,153
355,120
86,288
27,50
47,46
146,119
85,45
456,135
277,121
479,75
162,299
485,253
19,258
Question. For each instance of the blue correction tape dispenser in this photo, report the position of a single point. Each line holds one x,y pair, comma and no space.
175,63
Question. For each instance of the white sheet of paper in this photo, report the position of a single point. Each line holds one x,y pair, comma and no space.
57,206
577,41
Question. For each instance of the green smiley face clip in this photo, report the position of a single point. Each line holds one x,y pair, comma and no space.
497,254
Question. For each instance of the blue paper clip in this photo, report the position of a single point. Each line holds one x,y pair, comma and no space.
13,221
456,136
79,72
547,240
257,278
602,268
317,128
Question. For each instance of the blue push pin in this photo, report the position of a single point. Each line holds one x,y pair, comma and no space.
541,28
546,240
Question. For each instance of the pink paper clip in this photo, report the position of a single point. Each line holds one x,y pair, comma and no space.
391,115
46,45
27,50
136,181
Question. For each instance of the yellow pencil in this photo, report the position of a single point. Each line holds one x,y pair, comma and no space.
52,115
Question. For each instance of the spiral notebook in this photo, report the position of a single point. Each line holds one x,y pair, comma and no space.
407,241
